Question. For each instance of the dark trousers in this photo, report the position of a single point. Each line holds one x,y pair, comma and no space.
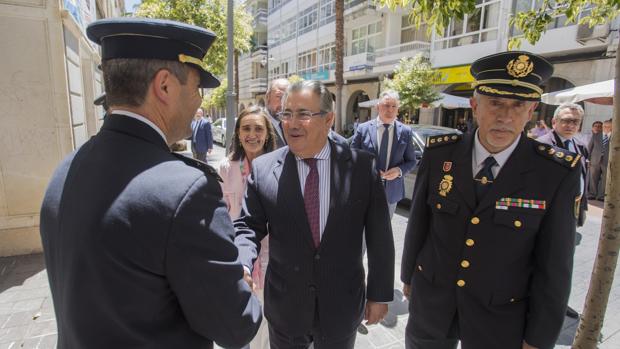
200,156
281,340
417,339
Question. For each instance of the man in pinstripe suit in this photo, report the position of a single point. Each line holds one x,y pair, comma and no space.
307,197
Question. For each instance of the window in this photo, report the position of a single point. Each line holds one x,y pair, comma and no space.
479,26
288,29
273,36
308,19
327,12
306,62
409,33
366,38
327,57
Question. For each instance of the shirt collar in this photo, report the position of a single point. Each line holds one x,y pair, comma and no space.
143,119
322,155
273,119
481,153
381,123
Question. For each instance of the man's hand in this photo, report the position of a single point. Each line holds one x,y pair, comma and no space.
390,174
247,277
374,312
407,291
527,346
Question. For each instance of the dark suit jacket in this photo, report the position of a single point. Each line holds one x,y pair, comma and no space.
280,142
202,138
554,139
515,262
298,274
595,149
139,248
402,154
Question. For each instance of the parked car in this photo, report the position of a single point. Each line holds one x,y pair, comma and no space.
420,134
218,129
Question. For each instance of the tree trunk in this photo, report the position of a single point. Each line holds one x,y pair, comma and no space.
589,329
339,62
237,78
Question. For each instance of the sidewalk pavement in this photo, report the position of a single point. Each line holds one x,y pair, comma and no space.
27,314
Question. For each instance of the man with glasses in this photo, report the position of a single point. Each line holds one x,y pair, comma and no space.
307,197
566,124
138,242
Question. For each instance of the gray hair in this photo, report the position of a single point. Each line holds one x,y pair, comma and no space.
571,106
317,87
390,94
274,82
127,80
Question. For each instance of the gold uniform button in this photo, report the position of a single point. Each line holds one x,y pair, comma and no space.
475,220
469,242
438,206
460,283
465,263
518,224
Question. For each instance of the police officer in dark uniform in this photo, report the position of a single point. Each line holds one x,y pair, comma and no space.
489,244
138,242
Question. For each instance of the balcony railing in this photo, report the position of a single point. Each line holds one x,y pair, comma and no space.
258,85
406,47
260,17
360,61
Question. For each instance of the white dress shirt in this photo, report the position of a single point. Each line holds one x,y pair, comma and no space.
480,154
380,131
143,119
323,165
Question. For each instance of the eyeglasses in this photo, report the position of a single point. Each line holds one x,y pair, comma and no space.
303,115
574,122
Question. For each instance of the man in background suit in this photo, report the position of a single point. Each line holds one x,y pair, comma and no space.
202,138
138,242
275,91
599,158
307,197
395,153
566,123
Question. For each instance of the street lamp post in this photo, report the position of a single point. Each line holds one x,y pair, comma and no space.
231,106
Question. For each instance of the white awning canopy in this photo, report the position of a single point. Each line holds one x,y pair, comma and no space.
597,93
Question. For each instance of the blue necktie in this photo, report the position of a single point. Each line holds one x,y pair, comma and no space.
567,144
383,149
484,178
605,143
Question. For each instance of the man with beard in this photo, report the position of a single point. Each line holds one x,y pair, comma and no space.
489,246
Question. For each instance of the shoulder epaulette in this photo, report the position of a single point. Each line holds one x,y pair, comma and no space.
436,141
559,155
204,167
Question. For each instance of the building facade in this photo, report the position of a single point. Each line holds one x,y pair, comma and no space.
51,79
253,65
301,36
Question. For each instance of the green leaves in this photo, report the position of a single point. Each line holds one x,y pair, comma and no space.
217,97
207,14
414,81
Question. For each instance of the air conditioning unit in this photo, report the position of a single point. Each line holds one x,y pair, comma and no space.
586,33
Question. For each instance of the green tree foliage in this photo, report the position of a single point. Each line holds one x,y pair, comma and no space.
414,81
294,78
217,97
209,14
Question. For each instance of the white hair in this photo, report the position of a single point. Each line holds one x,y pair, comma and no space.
571,106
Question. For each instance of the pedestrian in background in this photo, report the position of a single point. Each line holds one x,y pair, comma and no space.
314,198
138,244
539,130
488,251
202,138
273,99
253,137
599,158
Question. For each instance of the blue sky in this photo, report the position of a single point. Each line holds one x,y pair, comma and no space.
130,3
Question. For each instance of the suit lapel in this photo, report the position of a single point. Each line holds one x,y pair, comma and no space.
339,187
462,173
510,178
289,193
372,129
